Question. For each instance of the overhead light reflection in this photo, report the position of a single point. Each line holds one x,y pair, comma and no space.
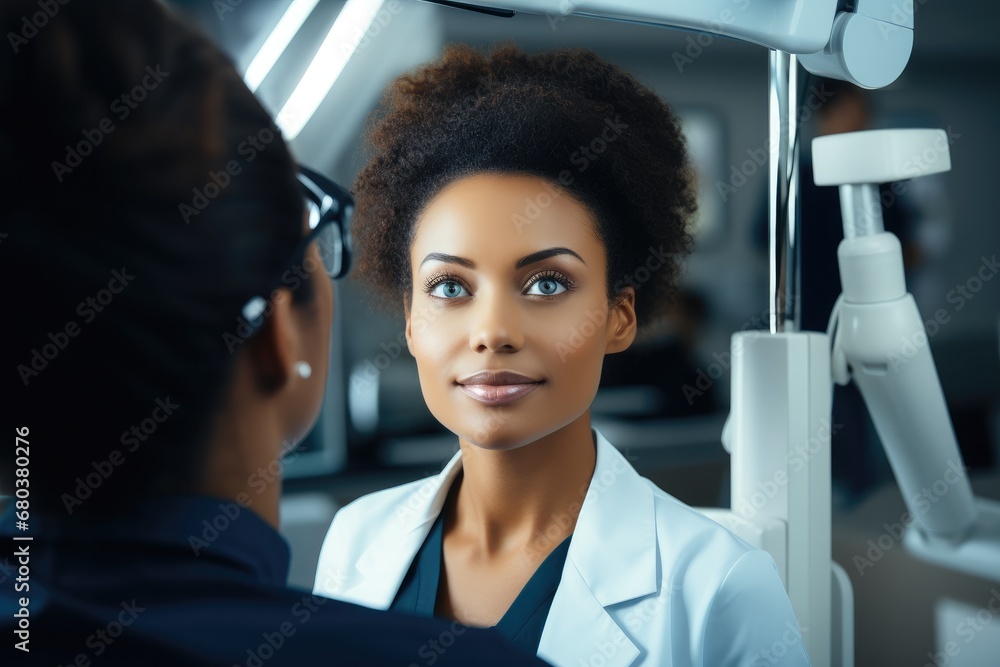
353,22
277,41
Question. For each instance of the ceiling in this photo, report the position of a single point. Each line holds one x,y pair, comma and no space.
957,34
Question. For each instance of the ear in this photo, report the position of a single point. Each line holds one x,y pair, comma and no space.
273,350
622,326
408,330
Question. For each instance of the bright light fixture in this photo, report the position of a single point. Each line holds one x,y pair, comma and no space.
277,41
353,22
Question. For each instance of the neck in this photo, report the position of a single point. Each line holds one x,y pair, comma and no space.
241,464
527,498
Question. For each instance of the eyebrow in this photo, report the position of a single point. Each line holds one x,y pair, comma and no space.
524,261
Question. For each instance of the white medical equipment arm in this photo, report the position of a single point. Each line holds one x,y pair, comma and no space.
868,46
780,430
879,339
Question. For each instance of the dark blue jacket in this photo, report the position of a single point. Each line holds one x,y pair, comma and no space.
192,581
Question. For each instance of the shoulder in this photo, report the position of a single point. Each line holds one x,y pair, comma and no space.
697,554
752,603
686,535
725,586
380,517
688,544
370,513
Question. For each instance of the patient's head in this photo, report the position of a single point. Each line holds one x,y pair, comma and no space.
528,212
148,196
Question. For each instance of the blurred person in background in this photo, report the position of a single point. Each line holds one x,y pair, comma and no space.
170,307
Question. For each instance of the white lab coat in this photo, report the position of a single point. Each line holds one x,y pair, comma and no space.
647,579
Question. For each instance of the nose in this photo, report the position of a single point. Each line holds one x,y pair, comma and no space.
495,326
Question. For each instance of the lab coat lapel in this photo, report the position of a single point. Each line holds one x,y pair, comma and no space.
611,559
579,631
384,564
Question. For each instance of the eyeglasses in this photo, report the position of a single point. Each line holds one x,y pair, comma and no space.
329,208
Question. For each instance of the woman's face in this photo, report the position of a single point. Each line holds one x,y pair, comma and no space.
509,275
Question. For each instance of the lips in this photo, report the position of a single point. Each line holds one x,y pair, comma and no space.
498,387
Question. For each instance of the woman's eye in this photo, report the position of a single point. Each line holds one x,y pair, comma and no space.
546,287
448,289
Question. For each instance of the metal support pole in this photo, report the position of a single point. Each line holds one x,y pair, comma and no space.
861,208
783,199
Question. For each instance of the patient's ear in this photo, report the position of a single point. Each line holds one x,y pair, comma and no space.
408,331
622,325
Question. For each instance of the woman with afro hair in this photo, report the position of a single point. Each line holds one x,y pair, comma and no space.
528,213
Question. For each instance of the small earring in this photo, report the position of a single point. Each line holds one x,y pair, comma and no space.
303,369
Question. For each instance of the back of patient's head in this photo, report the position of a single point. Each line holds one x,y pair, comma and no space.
114,116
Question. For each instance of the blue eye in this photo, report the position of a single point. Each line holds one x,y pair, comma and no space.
547,287
448,289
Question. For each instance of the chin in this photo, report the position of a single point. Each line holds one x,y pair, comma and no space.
503,432
497,443
494,432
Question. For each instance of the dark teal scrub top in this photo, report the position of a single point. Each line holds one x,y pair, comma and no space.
522,623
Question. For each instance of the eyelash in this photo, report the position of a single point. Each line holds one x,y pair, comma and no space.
434,281
548,274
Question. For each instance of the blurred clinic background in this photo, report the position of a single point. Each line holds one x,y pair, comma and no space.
665,401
